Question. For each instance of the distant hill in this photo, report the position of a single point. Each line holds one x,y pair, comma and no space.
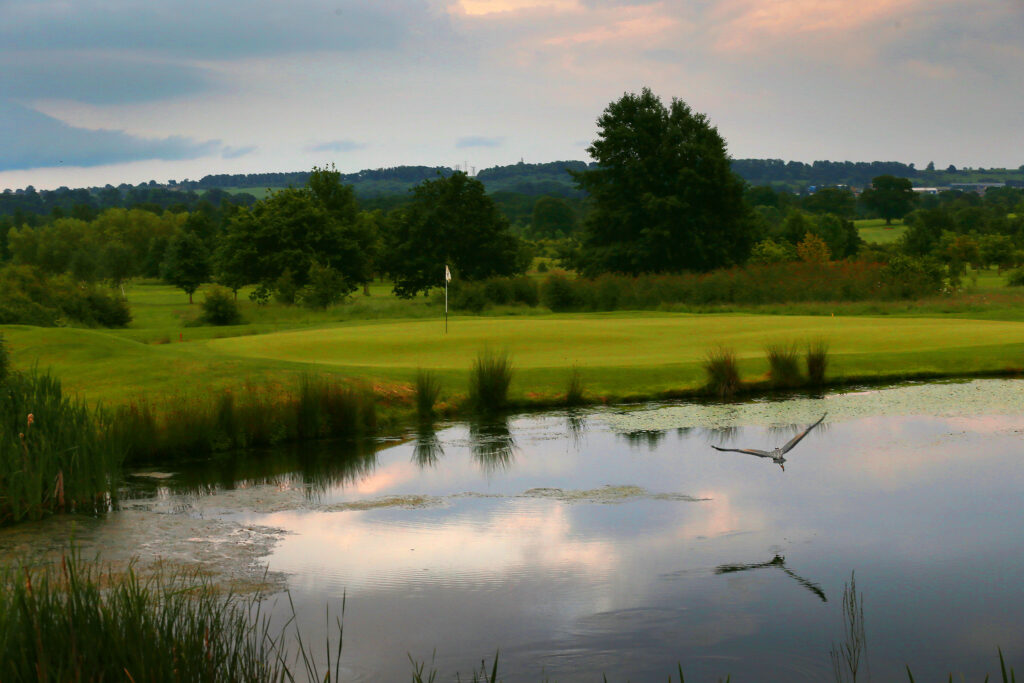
388,187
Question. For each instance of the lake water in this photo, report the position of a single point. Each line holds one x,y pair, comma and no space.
619,542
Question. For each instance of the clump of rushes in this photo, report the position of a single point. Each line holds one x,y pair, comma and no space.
722,372
817,361
56,454
574,389
489,380
428,389
78,622
783,365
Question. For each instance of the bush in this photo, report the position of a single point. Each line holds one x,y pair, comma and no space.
219,307
428,388
558,293
817,362
1015,278
468,296
30,297
326,287
285,289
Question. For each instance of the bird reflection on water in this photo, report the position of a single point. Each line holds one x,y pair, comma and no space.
777,561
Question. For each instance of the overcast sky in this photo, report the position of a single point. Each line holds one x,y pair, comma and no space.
110,91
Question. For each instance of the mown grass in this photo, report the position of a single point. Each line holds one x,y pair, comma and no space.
875,231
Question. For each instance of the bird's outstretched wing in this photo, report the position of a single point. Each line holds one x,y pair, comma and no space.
796,439
748,451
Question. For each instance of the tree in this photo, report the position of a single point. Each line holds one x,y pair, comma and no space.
890,197
186,263
552,218
664,197
835,200
449,221
839,234
117,263
292,229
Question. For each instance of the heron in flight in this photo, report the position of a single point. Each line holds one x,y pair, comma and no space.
776,455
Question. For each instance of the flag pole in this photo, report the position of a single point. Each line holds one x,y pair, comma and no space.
447,277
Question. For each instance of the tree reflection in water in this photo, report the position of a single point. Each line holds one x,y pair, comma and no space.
427,450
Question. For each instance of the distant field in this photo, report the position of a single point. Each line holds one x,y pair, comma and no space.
257,192
875,231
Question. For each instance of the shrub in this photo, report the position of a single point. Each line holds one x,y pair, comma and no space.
1015,278
5,361
285,289
489,380
326,287
722,371
428,389
783,365
30,297
557,293
219,307
468,296
817,362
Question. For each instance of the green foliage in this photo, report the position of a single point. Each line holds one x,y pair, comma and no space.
428,390
285,289
783,365
219,307
499,291
769,251
906,277
32,298
839,234
1015,278
489,380
55,453
5,361
574,388
835,200
324,287
558,293
186,263
722,372
663,196
450,221
552,218
889,197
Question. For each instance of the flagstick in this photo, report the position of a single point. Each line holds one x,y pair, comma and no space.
446,305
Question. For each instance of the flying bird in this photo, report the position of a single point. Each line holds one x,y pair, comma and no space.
776,455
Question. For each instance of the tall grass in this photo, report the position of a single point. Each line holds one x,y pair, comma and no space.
574,388
55,453
258,416
817,362
722,372
428,390
489,381
850,655
783,365
5,361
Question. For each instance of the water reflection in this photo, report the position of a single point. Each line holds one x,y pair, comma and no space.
779,561
644,438
427,449
492,443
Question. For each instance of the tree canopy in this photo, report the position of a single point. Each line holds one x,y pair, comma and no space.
449,221
664,198
890,197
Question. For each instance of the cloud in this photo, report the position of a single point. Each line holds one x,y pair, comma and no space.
236,152
196,29
97,79
478,141
336,146
29,139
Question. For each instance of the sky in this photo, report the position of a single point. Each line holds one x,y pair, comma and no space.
110,91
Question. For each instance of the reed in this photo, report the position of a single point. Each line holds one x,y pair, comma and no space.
428,390
817,362
56,454
489,380
574,388
783,365
77,622
722,371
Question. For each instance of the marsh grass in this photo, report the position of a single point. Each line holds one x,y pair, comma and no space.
428,390
783,365
574,388
77,622
489,381
257,416
817,362
851,654
722,371
56,454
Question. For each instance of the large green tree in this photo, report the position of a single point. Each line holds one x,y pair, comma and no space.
449,221
663,195
186,262
292,229
890,197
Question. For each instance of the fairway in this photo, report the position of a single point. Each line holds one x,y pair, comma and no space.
875,231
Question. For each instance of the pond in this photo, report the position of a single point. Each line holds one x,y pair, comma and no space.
618,541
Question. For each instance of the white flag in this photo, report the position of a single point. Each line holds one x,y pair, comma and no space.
447,274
